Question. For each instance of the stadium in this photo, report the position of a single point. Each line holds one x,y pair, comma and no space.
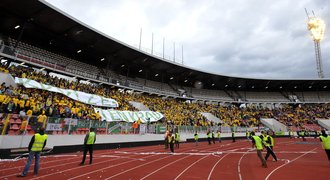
66,78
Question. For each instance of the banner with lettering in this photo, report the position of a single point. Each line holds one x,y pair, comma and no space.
129,116
83,97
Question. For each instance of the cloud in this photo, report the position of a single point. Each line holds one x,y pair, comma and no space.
255,38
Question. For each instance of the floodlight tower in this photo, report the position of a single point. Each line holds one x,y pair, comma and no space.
317,26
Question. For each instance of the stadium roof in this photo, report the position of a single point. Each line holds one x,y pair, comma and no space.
45,26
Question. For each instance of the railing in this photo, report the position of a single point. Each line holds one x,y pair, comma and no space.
13,124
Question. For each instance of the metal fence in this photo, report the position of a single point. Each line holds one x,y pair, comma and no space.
13,124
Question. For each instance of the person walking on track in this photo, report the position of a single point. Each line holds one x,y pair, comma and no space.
209,136
166,139
213,137
171,140
257,143
196,138
269,144
177,140
36,145
219,136
233,135
325,139
89,142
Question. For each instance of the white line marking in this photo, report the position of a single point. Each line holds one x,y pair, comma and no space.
163,167
239,163
189,167
215,166
288,163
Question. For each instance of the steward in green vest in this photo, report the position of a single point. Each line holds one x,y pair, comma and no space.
213,137
233,135
325,139
177,140
89,142
196,138
219,136
36,145
257,143
247,134
209,137
303,134
171,140
269,144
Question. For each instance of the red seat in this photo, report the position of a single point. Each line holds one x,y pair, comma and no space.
14,127
18,121
12,121
11,132
15,116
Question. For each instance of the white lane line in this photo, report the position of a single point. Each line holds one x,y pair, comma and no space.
215,166
59,172
288,163
118,165
152,162
239,163
189,167
163,167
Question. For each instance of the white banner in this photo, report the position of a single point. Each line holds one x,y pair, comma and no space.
53,127
129,116
83,97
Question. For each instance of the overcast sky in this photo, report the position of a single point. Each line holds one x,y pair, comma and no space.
246,38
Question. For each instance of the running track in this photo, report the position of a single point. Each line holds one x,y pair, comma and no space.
226,160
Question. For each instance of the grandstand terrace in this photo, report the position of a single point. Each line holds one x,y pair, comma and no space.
116,70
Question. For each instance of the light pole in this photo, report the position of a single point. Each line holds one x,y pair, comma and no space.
317,26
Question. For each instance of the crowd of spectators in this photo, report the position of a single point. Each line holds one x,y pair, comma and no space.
176,111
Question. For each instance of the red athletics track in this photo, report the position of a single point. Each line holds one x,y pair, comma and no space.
297,160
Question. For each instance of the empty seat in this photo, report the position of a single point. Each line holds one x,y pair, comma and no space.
14,127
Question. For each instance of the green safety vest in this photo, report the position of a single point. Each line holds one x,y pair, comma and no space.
39,141
91,138
170,139
218,135
209,135
196,137
272,142
264,140
325,142
258,142
177,137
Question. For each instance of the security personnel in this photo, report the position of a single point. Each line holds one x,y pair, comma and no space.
209,137
177,139
166,139
290,133
257,143
196,138
89,142
171,140
247,134
325,139
36,145
219,136
233,135
269,144
303,134
213,137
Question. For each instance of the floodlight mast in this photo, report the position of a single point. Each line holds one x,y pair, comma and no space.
316,26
